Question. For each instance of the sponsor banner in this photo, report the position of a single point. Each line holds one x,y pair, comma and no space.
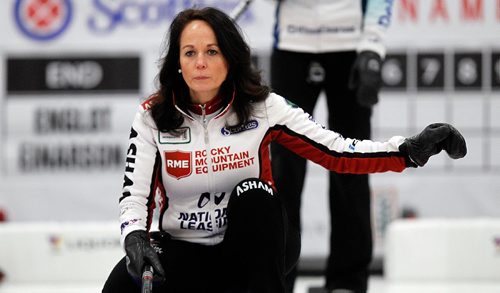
55,247
132,23
450,23
122,23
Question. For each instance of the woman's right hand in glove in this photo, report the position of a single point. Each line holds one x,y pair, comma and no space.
140,253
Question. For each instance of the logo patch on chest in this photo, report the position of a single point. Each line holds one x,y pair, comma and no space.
178,164
252,124
178,136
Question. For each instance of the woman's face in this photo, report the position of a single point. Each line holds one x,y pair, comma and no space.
203,66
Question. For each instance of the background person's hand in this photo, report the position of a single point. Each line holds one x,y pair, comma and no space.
365,78
433,139
140,253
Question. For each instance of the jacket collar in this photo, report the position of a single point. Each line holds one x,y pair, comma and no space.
215,107
211,106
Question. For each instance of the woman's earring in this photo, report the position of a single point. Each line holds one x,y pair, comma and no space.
180,70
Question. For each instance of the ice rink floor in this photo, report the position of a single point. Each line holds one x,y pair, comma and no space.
305,284
310,284
378,284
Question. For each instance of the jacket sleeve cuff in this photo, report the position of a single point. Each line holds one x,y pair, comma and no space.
366,45
403,148
126,231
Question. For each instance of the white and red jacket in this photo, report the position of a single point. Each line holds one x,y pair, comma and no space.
196,169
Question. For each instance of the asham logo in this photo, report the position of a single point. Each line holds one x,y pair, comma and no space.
42,20
178,164
251,184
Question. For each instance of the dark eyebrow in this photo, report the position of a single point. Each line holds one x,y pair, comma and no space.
191,46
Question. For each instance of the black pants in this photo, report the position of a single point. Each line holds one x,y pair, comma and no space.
300,78
257,251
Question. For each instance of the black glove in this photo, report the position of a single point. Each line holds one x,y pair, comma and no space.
140,253
433,139
365,78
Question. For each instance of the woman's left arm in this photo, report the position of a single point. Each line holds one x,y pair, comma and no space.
297,131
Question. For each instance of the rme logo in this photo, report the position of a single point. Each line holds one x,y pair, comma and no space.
178,164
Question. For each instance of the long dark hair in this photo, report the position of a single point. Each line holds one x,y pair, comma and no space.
242,78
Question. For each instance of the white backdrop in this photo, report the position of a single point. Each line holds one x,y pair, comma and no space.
57,125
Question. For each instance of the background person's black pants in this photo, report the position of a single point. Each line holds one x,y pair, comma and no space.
295,77
257,250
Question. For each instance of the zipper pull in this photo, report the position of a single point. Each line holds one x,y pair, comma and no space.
203,113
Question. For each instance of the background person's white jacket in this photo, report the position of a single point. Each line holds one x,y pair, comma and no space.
319,26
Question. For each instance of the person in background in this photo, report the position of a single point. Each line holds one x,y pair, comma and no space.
201,143
333,47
